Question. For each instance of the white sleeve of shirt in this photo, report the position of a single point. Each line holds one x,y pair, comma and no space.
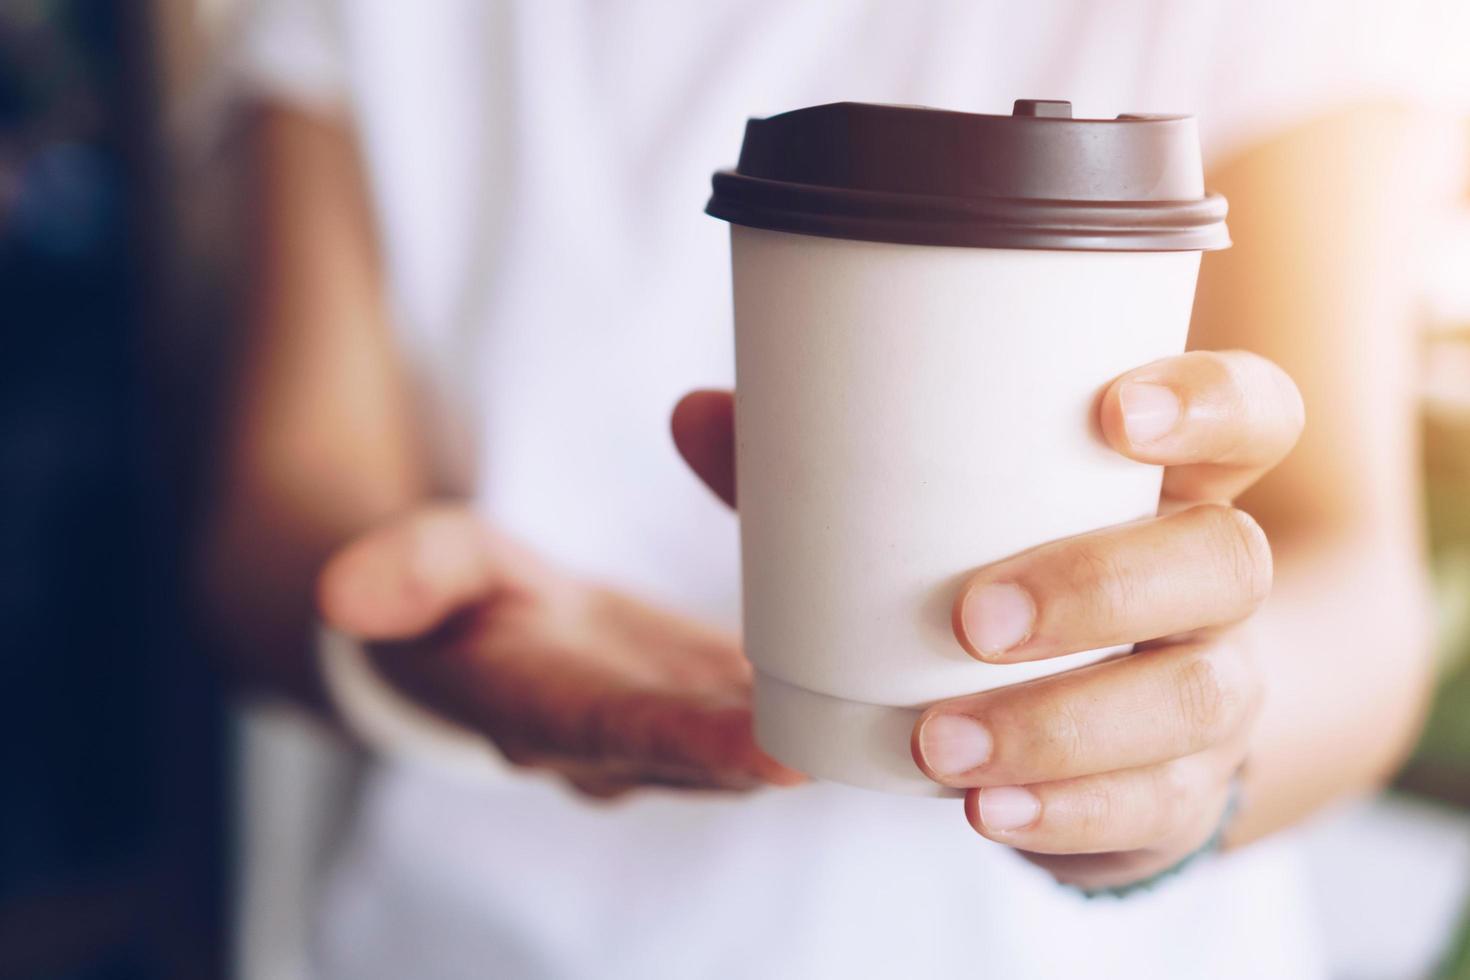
290,51
392,725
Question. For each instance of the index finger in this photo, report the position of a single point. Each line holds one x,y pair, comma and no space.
1218,419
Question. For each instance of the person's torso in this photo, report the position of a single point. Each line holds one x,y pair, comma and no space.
540,171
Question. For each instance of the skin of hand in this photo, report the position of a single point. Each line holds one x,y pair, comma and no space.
1113,772
562,676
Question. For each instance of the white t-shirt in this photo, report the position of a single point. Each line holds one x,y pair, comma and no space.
539,172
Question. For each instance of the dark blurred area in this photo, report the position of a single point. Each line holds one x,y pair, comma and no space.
111,733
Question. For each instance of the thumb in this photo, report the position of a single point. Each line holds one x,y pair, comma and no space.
405,578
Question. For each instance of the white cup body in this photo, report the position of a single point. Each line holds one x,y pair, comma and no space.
904,415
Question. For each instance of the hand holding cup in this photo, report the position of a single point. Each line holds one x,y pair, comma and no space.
1113,771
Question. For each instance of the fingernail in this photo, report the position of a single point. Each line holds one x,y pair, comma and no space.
954,744
1008,808
1150,411
997,617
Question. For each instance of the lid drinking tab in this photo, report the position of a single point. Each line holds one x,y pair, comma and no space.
1043,108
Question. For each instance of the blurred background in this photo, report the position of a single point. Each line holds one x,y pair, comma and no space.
113,849
148,828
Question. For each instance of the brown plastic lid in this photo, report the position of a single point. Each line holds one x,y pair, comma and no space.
1035,179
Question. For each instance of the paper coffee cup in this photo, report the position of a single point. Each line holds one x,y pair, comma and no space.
927,306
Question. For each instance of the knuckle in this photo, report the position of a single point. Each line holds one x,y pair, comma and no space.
1243,549
1099,579
1247,379
1270,384
1222,369
1223,378
1063,737
1096,809
1245,373
1227,382
1034,734
1214,695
